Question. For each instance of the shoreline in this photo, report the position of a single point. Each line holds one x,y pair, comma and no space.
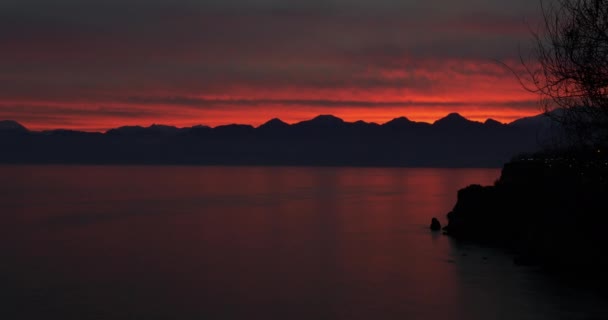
549,212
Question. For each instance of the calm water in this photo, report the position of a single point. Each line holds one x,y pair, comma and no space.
255,242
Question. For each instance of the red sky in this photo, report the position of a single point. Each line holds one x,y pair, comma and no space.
183,63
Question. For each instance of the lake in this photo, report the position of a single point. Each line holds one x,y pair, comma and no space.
164,242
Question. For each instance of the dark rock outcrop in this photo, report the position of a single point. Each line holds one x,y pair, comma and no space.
435,224
540,209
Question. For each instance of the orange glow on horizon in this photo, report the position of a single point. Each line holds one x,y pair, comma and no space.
476,90
256,118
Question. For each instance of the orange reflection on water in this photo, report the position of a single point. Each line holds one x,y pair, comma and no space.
277,242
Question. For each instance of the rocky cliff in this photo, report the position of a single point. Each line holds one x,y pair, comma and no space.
549,210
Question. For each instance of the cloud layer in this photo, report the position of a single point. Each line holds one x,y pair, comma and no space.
90,65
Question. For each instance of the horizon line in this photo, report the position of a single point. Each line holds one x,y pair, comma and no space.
104,130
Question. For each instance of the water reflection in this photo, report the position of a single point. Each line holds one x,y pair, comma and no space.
236,242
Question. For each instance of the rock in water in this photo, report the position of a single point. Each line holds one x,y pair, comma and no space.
435,225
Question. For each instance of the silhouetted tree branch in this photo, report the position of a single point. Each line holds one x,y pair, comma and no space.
569,68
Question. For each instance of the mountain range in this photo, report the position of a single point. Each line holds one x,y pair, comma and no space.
326,140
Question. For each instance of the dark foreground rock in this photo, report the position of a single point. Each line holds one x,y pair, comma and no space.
549,211
435,224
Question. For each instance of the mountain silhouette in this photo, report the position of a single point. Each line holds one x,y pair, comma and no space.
11,126
452,141
321,121
399,122
155,129
493,123
360,124
404,124
541,120
455,121
274,124
233,130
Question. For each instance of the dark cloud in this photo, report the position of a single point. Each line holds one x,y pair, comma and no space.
44,110
211,103
98,51
200,33
130,109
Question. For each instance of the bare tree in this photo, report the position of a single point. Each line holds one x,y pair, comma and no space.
569,68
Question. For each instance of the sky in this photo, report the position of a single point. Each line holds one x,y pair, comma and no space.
93,65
